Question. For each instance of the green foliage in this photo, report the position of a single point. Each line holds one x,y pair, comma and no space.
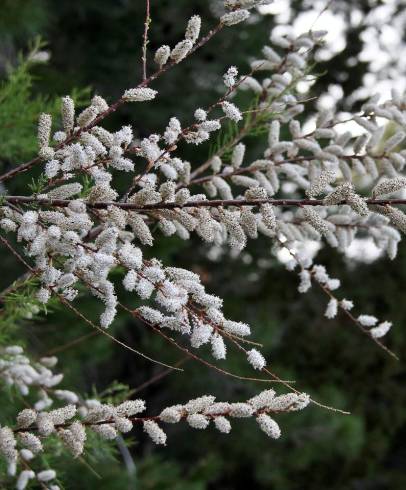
20,108
20,306
224,139
38,185
19,111
87,185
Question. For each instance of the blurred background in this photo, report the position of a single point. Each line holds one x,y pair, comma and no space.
95,46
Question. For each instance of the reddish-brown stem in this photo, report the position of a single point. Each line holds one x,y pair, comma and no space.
112,108
349,315
145,40
79,314
212,203
358,324
35,161
156,418
190,354
173,146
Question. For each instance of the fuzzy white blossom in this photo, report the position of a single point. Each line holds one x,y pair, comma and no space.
193,28
332,309
367,320
388,186
44,130
230,77
68,113
316,220
236,328
181,50
162,55
157,435
269,426
235,17
197,421
381,330
231,111
256,359
141,94
46,475
24,478
222,424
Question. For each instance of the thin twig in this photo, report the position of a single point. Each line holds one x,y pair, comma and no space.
288,384
103,332
191,354
145,41
346,312
358,324
157,418
80,315
213,203
112,108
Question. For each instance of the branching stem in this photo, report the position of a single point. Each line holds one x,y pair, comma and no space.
212,203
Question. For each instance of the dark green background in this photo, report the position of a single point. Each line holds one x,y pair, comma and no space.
97,44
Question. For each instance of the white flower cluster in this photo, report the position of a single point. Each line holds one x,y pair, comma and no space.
108,420
190,310
183,48
239,10
316,162
201,411
33,425
78,234
320,275
93,151
377,331
18,371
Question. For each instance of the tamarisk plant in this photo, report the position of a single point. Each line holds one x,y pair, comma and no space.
314,182
70,423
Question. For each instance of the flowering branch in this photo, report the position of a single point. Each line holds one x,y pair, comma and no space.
75,230
112,108
327,285
193,204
